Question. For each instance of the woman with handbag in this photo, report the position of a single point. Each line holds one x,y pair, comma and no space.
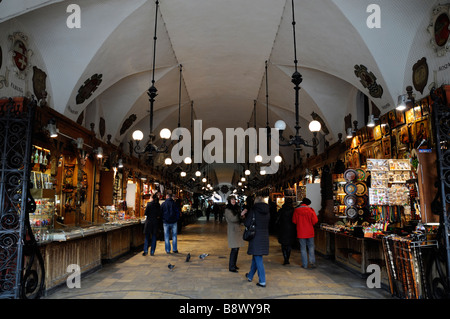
258,246
234,231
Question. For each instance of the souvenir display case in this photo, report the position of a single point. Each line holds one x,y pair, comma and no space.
42,219
339,195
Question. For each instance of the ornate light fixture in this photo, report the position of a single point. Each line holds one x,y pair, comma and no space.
280,125
405,101
165,134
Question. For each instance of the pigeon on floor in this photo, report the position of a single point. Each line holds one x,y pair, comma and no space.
171,267
188,257
202,256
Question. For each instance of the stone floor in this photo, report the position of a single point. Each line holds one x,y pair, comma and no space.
148,277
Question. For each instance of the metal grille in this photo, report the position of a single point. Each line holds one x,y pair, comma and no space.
16,120
440,282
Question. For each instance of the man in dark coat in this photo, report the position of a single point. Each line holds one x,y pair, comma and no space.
170,216
153,214
259,245
287,233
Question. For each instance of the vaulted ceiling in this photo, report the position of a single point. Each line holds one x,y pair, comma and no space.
222,47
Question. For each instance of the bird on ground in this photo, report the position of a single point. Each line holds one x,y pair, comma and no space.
202,256
188,257
170,266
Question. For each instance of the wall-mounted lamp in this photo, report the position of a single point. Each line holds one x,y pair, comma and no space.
79,141
401,103
405,100
99,152
371,120
51,128
349,133
352,131
120,163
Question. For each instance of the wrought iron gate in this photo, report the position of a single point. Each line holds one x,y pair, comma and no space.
20,275
439,267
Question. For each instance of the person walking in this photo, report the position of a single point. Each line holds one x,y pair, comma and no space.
234,231
259,245
305,218
287,232
208,210
153,214
170,216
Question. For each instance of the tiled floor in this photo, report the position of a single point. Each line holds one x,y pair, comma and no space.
137,277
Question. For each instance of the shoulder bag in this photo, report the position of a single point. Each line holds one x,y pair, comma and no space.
249,232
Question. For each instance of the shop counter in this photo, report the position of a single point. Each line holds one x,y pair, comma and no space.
353,253
88,248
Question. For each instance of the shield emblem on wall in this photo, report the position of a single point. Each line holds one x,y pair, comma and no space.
20,55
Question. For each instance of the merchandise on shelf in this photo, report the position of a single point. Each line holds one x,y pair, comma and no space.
41,219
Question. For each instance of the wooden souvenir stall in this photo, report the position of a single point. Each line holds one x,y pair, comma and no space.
382,200
82,216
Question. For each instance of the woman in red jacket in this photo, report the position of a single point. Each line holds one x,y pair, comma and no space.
305,218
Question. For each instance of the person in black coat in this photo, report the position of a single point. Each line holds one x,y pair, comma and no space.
286,229
259,245
153,213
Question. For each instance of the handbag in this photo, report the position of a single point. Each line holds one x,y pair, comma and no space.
249,232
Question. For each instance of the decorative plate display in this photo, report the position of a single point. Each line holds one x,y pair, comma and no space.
351,212
361,189
350,188
360,212
361,201
360,174
350,200
350,175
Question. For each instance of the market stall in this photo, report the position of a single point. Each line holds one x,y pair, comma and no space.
382,202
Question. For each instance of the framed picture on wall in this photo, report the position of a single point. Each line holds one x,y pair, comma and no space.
409,116
386,144
370,133
425,107
377,132
365,137
377,150
384,124
421,132
417,112
400,117
392,119
402,137
355,158
348,159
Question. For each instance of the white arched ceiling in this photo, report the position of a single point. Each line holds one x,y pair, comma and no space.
326,41
222,47
67,52
11,9
389,45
